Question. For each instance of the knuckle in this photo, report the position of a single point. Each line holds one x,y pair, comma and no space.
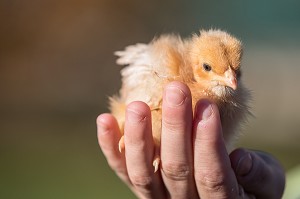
211,181
117,167
172,125
142,181
176,171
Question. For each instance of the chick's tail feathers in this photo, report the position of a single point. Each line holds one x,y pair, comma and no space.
131,54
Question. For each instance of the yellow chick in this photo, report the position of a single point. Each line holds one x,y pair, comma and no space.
208,63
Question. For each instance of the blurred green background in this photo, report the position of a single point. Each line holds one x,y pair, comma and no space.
57,69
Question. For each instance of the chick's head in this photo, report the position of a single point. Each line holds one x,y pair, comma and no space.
215,57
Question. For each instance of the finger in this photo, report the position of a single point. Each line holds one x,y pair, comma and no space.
108,137
176,145
139,151
213,173
258,173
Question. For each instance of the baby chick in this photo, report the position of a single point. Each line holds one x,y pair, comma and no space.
209,63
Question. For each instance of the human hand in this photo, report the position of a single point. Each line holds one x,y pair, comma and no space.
194,160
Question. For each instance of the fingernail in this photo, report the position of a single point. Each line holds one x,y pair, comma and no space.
134,116
175,96
207,112
102,128
244,165
204,109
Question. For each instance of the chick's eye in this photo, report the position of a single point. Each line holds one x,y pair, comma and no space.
206,67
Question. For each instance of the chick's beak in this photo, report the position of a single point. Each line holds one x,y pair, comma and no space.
230,79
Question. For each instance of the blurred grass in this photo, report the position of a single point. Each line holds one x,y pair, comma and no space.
55,157
292,188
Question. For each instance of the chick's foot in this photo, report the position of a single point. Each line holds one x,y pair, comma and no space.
121,144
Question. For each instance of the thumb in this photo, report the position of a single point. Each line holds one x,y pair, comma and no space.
258,173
